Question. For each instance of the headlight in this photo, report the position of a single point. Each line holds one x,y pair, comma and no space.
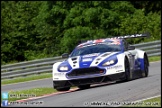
63,68
110,62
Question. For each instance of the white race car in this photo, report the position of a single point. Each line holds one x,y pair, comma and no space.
101,60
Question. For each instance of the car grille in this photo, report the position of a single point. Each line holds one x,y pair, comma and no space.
85,72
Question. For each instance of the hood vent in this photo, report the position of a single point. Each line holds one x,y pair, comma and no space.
74,62
105,54
98,59
96,62
73,59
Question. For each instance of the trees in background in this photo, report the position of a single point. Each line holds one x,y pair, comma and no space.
32,30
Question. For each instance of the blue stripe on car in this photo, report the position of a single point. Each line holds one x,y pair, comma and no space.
85,64
141,60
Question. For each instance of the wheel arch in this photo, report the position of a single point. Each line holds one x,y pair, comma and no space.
126,58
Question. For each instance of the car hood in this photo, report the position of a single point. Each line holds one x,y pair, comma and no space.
86,61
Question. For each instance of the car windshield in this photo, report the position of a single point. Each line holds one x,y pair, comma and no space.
96,48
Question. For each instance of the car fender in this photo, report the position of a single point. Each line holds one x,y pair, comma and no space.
120,58
55,65
141,54
130,58
54,68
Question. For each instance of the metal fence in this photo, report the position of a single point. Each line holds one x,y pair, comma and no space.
45,65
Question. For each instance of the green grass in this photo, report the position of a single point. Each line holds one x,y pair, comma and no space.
154,102
30,93
154,58
49,75
28,78
24,94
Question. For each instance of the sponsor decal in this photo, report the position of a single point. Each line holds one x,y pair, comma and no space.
85,64
119,70
116,43
59,74
56,78
87,59
129,36
91,55
114,67
99,40
111,43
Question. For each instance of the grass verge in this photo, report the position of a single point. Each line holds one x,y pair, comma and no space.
24,94
30,93
49,75
154,58
28,78
154,102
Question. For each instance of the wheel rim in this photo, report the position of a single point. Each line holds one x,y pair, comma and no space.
146,67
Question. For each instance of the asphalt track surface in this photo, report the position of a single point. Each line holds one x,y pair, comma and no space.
105,94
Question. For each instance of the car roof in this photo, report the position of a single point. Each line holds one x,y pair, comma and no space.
115,40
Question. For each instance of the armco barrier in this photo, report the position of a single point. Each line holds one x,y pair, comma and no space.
45,65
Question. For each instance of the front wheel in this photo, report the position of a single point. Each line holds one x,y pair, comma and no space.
128,73
146,68
63,89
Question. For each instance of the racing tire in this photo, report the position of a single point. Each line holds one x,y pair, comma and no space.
128,73
84,86
63,89
146,67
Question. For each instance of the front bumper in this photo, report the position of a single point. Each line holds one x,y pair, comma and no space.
84,72
77,82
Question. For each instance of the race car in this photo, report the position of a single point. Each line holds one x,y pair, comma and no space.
100,60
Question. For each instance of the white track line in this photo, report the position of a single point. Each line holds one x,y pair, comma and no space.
147,98
138,100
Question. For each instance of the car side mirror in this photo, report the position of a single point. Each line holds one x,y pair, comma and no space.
131,47
65,55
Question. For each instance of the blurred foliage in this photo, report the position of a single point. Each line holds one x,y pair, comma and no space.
39,29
